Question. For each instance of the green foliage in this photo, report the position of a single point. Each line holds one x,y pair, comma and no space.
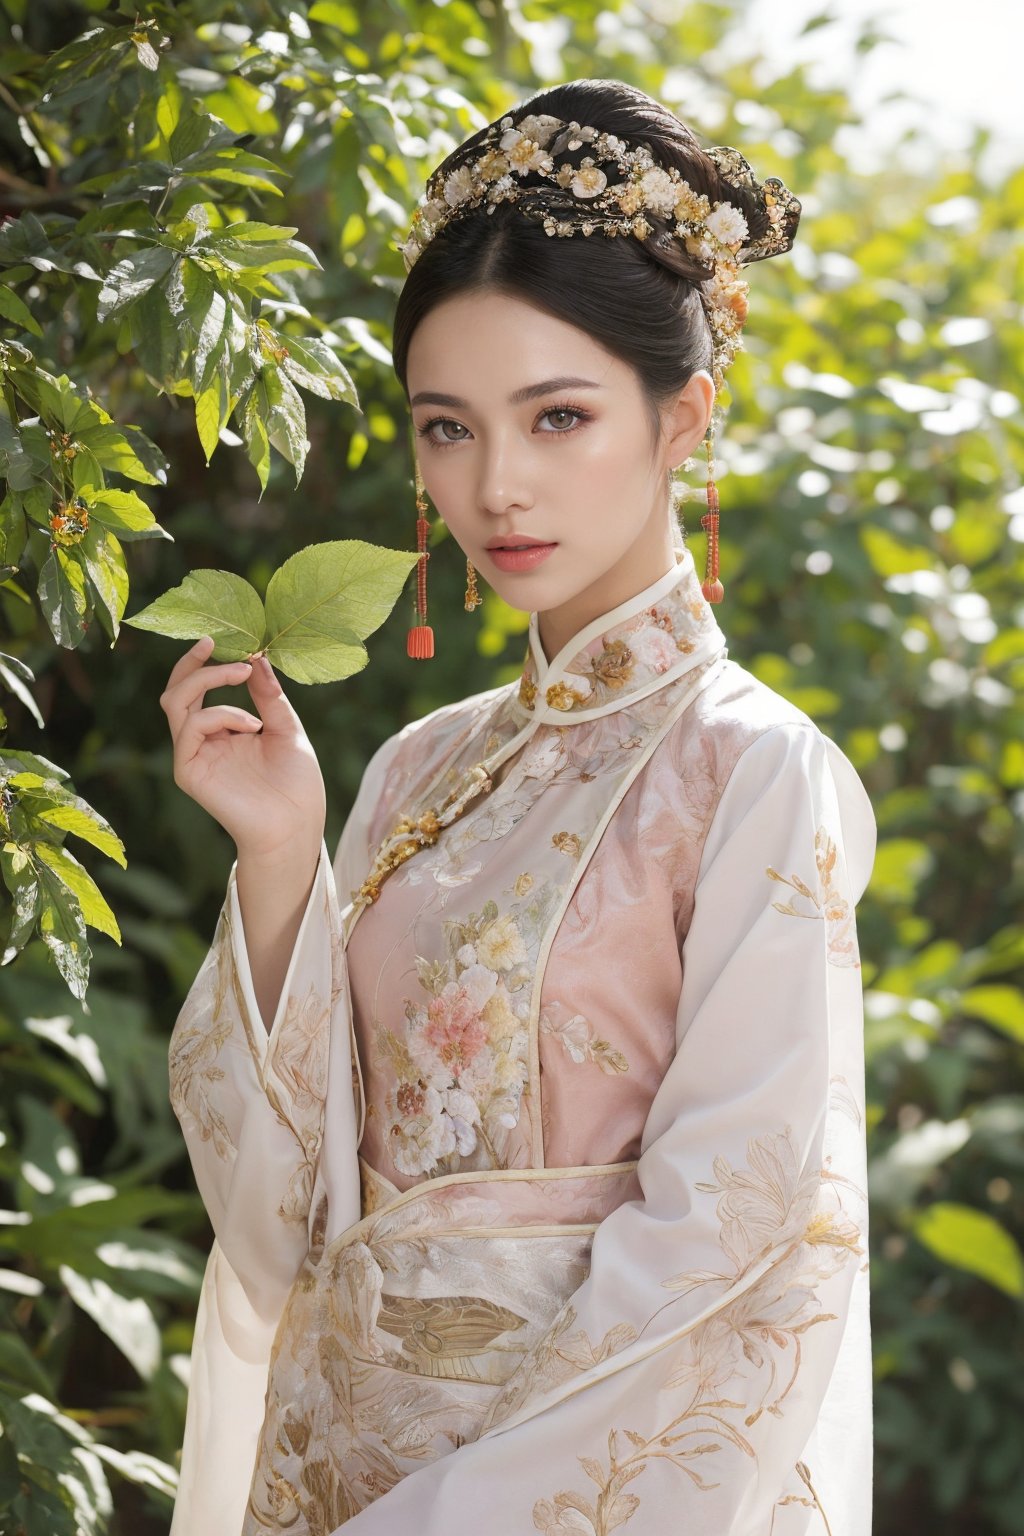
872,547
320,606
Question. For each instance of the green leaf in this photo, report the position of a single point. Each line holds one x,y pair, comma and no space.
133,276
62,597
77,879
126,451
21,881
970,1240
284,416
206,309
325,599
209,602
209,417
14,308
312,365
62,930
13,532
255,433
159,344
61,808
1002,1007
12,681
259,256
103,560
124,512
891,556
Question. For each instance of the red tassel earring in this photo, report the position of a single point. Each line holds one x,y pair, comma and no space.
711,587
420,640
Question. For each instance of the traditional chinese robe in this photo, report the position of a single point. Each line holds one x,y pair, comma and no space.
541,1203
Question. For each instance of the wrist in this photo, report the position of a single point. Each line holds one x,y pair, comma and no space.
299,854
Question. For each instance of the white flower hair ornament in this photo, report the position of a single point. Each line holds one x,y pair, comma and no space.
581,198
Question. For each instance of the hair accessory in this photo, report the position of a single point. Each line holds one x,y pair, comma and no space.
420,640
581,198
473,598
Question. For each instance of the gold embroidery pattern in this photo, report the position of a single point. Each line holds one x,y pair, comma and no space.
194,1047
828,902
770,1202
629,655
562,696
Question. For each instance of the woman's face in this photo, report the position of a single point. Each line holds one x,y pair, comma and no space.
507,451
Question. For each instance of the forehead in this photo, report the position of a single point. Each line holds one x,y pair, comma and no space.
495,343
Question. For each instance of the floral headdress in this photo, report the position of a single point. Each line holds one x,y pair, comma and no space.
654,203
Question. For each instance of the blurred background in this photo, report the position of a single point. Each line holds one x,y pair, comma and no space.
870,475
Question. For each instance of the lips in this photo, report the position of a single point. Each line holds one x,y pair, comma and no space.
525,543
525,559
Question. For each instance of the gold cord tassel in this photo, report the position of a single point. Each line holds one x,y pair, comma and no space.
420,640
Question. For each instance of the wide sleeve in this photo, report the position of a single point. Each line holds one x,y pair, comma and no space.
250,1102
712,1373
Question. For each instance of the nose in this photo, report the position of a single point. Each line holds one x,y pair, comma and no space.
502,483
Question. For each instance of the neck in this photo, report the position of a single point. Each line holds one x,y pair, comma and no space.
638,568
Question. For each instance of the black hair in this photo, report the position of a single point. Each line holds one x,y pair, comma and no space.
639,299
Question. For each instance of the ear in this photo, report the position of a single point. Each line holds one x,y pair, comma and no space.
687,420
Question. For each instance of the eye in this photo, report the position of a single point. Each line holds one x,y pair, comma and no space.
567,410
426,431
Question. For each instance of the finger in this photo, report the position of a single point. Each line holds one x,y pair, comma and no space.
276,709
219,720
191,660
187,695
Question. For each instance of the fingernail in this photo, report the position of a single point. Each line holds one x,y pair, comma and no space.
267,668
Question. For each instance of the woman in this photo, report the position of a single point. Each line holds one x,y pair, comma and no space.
585,1245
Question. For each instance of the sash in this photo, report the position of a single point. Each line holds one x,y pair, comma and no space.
398,1334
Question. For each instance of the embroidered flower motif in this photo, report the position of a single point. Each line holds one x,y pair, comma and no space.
432,1125
656,648
828,901
501,945
579,1040
462,1066
568,842
745,1358
614,666
561,696
527,690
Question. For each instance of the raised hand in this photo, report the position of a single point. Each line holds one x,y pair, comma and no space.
257,775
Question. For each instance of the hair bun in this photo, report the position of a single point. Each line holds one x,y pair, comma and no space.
780,210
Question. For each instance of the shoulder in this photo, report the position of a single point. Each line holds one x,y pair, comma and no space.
443,722
760,750
729,717
421,745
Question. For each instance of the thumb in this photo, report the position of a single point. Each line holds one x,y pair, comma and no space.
270,699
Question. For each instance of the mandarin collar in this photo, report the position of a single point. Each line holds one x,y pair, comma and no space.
641,645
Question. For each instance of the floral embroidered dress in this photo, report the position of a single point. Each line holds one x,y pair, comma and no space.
541,1203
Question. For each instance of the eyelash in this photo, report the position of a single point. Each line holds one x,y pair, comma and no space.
553,410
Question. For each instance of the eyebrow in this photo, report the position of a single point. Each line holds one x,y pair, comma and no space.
517,397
